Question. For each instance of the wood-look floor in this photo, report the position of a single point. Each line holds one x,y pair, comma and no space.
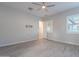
40,48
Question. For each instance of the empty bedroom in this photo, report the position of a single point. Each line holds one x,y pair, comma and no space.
39,29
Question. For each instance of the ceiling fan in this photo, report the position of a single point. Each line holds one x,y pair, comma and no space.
43,6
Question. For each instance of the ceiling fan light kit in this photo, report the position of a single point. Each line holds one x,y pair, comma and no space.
43,7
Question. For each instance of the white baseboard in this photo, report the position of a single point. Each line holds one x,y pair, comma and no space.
16,43
72,43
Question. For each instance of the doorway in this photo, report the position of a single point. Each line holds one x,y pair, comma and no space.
45,28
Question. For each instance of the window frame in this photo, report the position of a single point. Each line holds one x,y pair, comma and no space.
67,25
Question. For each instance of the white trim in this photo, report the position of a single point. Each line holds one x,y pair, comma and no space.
14,43
65,42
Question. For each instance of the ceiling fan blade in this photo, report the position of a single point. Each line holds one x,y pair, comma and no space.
36,4
50,6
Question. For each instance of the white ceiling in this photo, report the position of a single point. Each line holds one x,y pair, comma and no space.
60,6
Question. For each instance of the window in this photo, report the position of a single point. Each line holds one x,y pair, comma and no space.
73,23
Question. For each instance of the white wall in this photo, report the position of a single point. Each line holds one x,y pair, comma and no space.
12,26
59,28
